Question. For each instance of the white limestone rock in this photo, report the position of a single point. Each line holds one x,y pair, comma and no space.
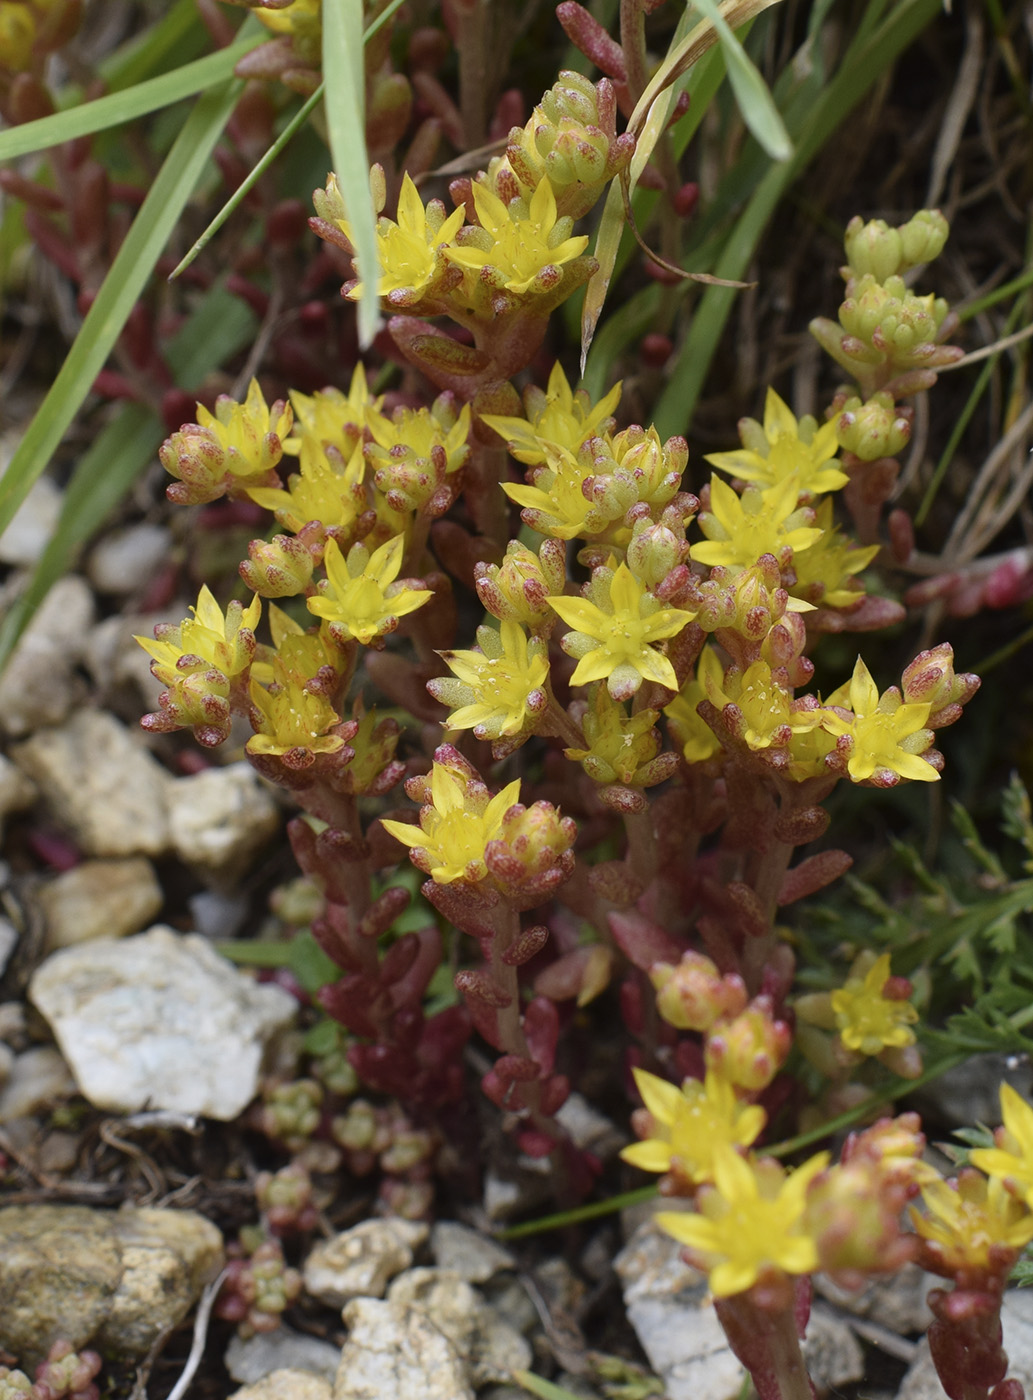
159,1020
490,1347
220,818
39,684
99,899
124,560
473,1256
398,1352
100,781
36,1079
252,1359
360,1262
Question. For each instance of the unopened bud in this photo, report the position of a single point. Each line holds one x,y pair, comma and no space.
873,429
749,1050
873,248
922,238
278,568
693,996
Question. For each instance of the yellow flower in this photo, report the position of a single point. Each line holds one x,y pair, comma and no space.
739,529
360,597
17,35
785,448
419,431
970,1221
325,491
750,1221
233,449
614,642
301,16
691,733
555,504
521,248
690,1124
450,840
886,735
500,688
824,572
1011,1160
330,418
210,640
558,417
291,720
411,251
621,748
763,703
867,1020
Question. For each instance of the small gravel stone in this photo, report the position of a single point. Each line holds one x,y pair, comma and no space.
100,899
101,782
591,1130
126,559
220,819
897,1302
40,684
491,1349
115,1279
360,1262
8,942
287,1384
17,792
26,537
398,1352
161,1021
36,1079
474,1257
6,1063
250,1360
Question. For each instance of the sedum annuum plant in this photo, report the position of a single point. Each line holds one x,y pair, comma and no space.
646,637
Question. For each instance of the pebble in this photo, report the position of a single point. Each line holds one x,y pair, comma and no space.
473,1256
490,1347
590,1130
17,792
360,1262
970,1092
398,1352
8,942
287,1384
26,537
897,1302
220,818
256,1357
126,559
102,783
40,682
36,1079
100,899
160,1021
6,1063
113,1279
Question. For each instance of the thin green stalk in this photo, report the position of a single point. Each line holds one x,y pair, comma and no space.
285,137
962,421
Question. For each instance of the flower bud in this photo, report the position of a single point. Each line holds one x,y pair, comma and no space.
873,248
533,855
279,568
653,552
931,679
519,588
693,996
749,1050
922,238
873,429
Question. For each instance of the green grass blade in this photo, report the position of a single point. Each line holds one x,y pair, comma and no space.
148,53
125,106
220,326
751,92
125,281
861,67
245,187
346,125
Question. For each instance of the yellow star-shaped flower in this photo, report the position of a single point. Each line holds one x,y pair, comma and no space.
614,643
